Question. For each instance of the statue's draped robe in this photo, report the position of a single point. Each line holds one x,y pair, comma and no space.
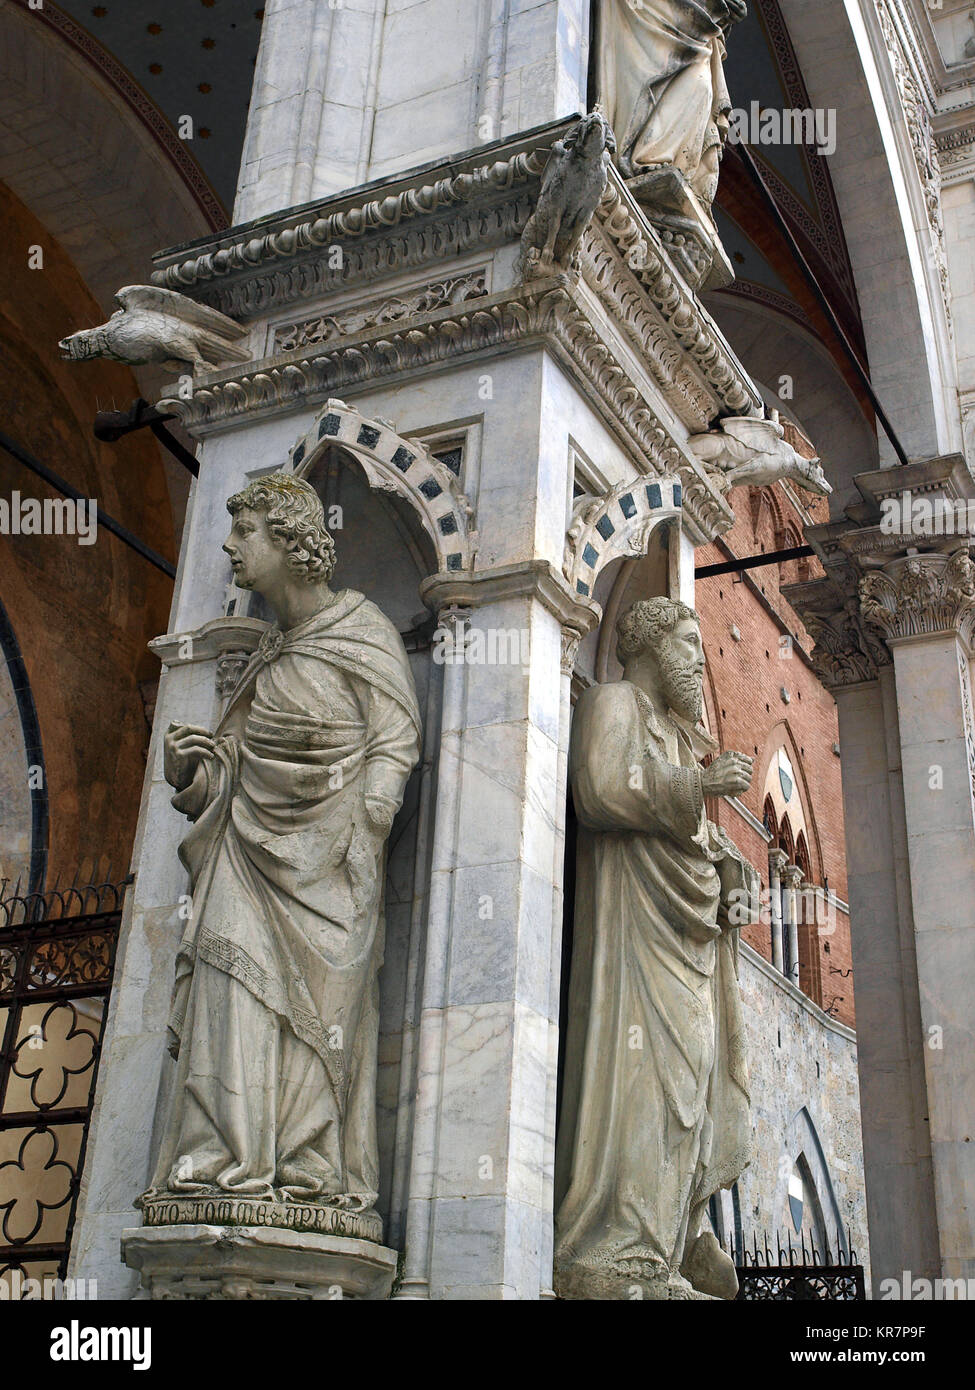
275,1010
655,1106
661,82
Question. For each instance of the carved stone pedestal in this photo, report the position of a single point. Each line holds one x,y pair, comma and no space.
685,227
588,1284
237,1262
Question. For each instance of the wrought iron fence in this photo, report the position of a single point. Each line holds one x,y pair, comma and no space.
812,1270
57,957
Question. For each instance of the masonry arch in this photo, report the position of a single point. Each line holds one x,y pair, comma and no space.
771,343
110,180
617,526
803,1157
403,468
23,798
844,51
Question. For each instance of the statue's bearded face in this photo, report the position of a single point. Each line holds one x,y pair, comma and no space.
680,659
257,559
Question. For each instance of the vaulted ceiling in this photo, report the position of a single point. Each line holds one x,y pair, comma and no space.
191,58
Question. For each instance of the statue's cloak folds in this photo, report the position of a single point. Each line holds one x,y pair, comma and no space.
661,80
287,903
655,1107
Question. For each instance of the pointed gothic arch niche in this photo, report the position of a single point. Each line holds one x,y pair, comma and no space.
429,493
381,549
397,516
807,1163
617,577
624,578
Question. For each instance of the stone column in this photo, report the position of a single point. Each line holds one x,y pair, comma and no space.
893,1098
777,860
924,607
479,1222
791,878
892,629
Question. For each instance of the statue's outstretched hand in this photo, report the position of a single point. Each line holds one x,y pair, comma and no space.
729,775
184,746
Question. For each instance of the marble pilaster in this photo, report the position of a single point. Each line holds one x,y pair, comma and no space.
479,1215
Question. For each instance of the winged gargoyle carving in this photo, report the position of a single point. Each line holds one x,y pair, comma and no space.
755,453
153,325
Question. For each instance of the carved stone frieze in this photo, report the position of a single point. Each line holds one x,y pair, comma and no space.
682,383
482,208
921,130
376,313
239,252
956,153
548,311
694,331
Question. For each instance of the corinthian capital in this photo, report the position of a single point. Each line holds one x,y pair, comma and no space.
846,651
920,595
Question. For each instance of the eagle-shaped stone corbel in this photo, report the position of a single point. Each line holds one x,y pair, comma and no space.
153,325
746,452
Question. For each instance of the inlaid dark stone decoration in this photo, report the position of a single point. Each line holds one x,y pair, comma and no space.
404,468
616,526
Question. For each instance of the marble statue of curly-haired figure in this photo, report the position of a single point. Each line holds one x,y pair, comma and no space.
655,1106
275,1011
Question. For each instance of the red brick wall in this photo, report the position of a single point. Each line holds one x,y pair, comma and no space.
748,713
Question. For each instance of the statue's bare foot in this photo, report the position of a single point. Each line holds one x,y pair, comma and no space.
709,1269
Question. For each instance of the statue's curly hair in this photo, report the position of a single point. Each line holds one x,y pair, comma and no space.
296,520
646,623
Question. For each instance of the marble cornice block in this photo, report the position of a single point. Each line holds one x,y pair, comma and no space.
479,203
550,313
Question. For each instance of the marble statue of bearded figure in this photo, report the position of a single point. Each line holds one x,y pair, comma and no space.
662,86
275,1013
655,1107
